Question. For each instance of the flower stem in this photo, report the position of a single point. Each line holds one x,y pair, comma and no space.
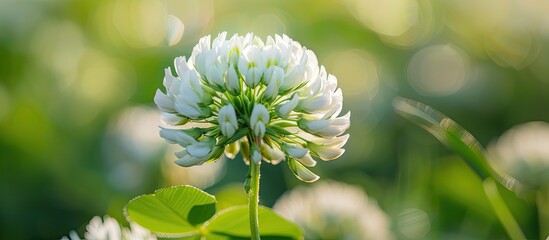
254,200
542,202
502,211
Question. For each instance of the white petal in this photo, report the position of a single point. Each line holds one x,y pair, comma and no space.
307,160
163,102
285,109
302,172
272,155
188,110
258,119
199,149
177,136
326,153
233,82
315,103
274,73
173,119
272,91
188,161
336,142
294,150
181,66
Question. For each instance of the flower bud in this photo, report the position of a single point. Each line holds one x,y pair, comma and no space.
296,76
255,154
271,91
215,75
227,120
273,73
259,119
233,81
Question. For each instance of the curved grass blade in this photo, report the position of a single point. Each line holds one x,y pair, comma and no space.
454,137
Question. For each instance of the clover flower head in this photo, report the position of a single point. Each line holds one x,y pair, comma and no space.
269,100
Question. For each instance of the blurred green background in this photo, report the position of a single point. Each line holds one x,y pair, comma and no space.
78,127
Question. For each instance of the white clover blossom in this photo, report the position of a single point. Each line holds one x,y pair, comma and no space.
109,228
523,153
268,99
333,210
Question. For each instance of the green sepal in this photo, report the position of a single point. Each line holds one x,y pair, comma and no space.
237,136
279,130
193,132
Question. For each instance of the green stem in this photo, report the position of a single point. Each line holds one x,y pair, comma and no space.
542,202
254,194
254,200
502,211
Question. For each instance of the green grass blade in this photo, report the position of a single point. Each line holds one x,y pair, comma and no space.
500,208
454,137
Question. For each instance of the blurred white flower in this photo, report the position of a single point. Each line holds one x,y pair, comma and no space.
109,228
523,153
130,146
242,90
331,210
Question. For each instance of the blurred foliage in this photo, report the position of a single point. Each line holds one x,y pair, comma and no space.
77,79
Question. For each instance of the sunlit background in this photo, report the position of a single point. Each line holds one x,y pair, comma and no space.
79,135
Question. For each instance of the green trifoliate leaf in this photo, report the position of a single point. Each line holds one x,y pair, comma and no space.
233,223
172,212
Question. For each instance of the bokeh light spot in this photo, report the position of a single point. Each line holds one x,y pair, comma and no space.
175,30
513,45
357,72
141,23
438,70
413,223
390,17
